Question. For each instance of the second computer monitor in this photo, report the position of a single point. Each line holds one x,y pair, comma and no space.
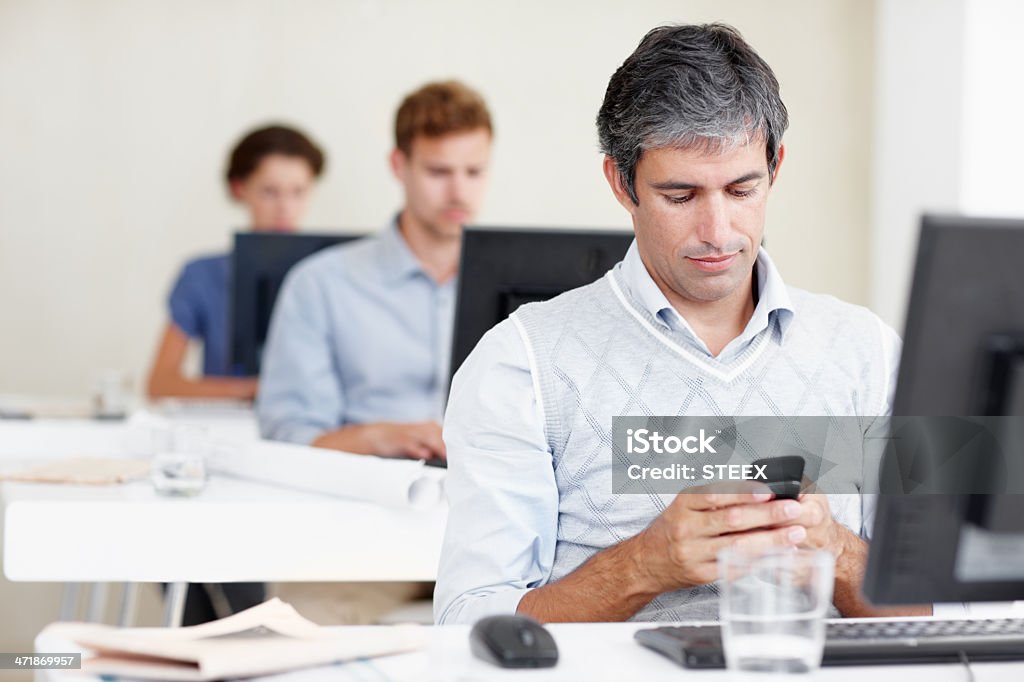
501,269
260,262
963,357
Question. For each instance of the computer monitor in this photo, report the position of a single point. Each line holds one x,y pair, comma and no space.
503,268
260,261
963,356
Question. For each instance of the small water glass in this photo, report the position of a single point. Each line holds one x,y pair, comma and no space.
772,609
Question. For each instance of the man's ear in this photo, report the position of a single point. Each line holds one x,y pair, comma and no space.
235,188
398,163
778,163
618,185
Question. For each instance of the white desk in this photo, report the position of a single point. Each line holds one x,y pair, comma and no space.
234,531
586,653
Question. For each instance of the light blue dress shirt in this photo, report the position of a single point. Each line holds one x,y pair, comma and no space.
504,503
360,333
771,290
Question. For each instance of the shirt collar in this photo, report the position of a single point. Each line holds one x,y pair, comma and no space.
772,295
394,257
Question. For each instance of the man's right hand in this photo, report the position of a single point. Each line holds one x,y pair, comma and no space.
680,548
419,440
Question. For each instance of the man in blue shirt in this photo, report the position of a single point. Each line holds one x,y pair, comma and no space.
358,347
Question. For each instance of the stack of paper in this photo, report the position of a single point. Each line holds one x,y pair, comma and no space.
266,639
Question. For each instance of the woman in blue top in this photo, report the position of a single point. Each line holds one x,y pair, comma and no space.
271,172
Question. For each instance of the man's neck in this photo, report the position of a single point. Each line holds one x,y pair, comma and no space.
716,323
438,255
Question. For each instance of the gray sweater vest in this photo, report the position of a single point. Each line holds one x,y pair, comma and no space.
596,353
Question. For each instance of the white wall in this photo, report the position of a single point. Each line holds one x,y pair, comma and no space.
992,148
918,123
947,133
115,116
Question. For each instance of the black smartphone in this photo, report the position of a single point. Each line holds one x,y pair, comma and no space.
784,475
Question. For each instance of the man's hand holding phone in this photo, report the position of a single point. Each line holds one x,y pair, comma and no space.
680,548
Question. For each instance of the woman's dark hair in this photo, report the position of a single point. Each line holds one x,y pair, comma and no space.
275,139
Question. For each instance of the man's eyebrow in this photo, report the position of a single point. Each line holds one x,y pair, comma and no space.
672,184
753,175
677,185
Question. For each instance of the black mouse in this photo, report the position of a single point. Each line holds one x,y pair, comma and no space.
513,642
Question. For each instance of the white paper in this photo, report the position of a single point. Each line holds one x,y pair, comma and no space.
386,481
392,482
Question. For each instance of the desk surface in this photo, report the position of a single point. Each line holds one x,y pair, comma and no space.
233,531
592,652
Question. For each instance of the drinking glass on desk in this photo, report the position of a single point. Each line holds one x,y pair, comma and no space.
179,465
111,391
772,609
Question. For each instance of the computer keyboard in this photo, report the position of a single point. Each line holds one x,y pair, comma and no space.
863,642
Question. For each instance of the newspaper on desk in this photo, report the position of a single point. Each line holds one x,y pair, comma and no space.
266,639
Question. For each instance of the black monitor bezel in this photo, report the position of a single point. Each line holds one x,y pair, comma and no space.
255,252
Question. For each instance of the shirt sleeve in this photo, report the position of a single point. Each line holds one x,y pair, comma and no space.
183,303
502,496
300,393
891,347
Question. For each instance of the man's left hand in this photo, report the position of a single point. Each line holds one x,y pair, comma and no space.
823,531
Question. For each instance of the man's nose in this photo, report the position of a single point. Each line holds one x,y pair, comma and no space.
713,221
458,188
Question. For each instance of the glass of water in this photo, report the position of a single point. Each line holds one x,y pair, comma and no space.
179,467
773,606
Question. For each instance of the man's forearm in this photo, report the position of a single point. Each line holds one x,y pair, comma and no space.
848,597
231,388
612,586
609,587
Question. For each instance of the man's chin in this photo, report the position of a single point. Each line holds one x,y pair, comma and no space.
709,288
447,230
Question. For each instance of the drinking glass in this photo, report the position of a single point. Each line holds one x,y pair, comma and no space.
180,467
773,607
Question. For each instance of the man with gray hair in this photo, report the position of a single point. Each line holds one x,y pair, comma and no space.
695,320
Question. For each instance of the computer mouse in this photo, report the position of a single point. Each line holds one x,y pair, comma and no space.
513,642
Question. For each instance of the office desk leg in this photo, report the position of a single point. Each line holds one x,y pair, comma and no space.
97,603
174,604
129,595
69,602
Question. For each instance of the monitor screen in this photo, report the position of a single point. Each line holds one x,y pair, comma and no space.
260,261
502,269
962,356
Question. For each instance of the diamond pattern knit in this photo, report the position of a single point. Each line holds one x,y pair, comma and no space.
597,353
